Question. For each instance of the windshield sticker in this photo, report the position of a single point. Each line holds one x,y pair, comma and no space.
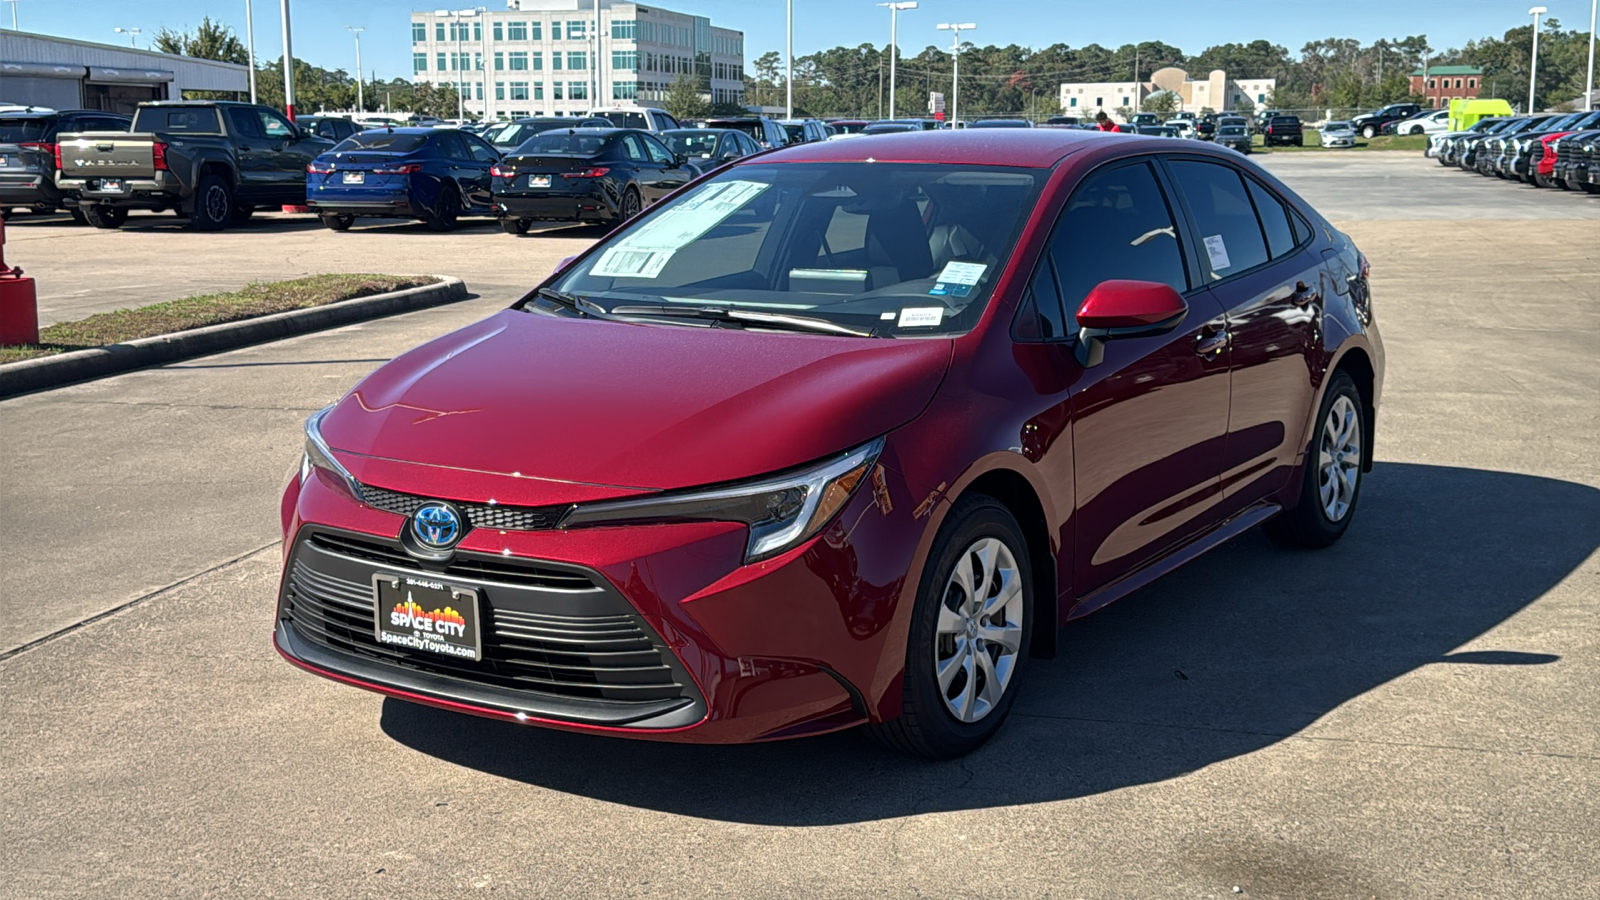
920,316
620,262
957,279
645,252
887,316
1217,250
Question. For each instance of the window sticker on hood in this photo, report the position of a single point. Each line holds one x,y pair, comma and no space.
1217,250
920,316
644,252
957,279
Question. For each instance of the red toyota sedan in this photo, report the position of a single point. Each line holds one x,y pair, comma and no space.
841,434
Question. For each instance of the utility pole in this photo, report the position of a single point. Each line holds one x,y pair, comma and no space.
288,65
250,43
1533,69
894,44
1588,80
955,65
361,102
1136,97
789,65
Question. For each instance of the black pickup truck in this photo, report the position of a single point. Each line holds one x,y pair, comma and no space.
1283,130
212,161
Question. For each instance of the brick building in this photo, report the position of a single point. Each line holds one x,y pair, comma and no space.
1446,83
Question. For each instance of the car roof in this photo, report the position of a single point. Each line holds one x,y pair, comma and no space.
405,129
1026,147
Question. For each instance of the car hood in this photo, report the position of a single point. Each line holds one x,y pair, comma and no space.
580,404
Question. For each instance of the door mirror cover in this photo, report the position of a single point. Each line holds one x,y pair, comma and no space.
1122,308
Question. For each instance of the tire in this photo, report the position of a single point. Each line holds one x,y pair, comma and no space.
338,223
241,214
1321,516
446,209
105,216
1369,132
77,216
630,206
1590,187
213,204
1299,142
929,724
515,226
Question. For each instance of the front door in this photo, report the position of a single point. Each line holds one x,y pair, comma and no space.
1149,421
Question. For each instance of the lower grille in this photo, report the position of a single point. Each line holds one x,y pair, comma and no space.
584,644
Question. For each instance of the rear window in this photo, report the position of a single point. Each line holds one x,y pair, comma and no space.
627,119
749,127
1285,120
177,121
692,143
16,131
563,142
517,132
1228,130
383,140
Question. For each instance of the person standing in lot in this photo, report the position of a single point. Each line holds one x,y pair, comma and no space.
1103,121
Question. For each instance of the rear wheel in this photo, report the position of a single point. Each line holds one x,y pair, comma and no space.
515,226
446,209
105,216
630,205
1331,479
969,635
1590,187
77,216
338,223
213,204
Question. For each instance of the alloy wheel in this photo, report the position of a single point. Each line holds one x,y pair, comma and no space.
1339,458
217,203
979,630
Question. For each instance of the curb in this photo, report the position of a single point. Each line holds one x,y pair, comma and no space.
84,365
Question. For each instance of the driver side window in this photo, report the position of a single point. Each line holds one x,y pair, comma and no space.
658,153
275,127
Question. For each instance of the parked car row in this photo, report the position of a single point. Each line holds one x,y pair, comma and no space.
1546,150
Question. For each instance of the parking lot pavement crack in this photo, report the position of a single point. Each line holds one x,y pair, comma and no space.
1415,745
122,607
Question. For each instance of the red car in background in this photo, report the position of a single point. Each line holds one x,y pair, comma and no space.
838,435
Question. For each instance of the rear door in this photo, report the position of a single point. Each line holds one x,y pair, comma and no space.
1257,259
475,180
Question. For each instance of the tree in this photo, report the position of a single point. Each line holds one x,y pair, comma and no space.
211,40
1160,102
685,101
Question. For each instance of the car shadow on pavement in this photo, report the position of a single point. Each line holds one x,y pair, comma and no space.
1237,651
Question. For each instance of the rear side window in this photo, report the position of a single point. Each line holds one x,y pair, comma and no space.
1118,224
1230,234
16,131
627,120
177,121
1274,220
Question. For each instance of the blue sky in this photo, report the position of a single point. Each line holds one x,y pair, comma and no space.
320,38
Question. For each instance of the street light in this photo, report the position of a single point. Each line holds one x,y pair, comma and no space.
361,102
461,100
250,43
132,33
1533,70
894,43
788,71
955,67
1588,80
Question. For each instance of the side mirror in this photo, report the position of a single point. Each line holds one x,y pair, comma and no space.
1124,309
680,159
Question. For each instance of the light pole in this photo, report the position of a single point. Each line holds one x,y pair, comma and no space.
1533,69
250,44
14,14
132,33
894,43
1588,80
788,76
288,65
955,65
361,100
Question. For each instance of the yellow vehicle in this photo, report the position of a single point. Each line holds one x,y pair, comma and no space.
1465,113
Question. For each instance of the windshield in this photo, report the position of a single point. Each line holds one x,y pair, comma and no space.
566,143
896,249
387,141
848,127
16,131
179,120
1228,130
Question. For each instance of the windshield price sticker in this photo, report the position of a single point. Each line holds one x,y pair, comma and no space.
645,252
1217,251
957,279
920,316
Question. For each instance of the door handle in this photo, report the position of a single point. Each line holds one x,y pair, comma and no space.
1302,295
1210,346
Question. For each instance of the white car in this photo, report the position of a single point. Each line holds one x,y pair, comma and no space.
1338,134
644,118
1434,121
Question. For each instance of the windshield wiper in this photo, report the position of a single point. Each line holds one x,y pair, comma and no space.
583,306
742,316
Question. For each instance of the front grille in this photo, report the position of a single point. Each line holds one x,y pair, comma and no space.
521,575
480,515
603,653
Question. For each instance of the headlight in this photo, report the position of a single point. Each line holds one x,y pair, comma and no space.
782,511
320,456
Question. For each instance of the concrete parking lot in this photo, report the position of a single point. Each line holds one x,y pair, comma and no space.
1411,713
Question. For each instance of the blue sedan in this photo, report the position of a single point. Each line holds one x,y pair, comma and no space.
436,175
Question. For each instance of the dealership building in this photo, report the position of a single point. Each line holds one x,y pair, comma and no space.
58,73
1216,91
565,57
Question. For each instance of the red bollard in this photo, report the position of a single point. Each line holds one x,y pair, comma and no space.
19,302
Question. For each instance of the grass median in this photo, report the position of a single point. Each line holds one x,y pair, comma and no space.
255,300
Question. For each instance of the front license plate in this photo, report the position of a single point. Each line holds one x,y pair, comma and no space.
538,181
111,184
422,614
355,178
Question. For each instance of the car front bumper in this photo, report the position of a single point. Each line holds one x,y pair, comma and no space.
809,641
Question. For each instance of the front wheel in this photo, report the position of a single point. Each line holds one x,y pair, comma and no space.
1331,479
1369,132
969,635
105,216
337,222
77,216
515,226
